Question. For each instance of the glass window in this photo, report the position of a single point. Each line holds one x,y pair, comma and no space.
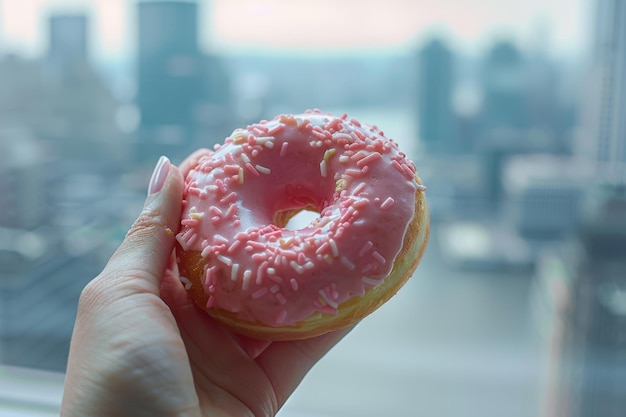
513,113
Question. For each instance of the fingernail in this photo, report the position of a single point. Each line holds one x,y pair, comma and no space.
159,175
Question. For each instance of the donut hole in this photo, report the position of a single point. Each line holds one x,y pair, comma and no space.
296,219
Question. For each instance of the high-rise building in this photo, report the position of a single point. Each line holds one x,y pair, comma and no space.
435,85
77,107
68,40
605,139
169,76
592,361
23,195
503,80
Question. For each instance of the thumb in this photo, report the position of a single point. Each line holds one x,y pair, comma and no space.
140,261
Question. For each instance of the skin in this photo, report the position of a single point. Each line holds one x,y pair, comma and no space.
140,346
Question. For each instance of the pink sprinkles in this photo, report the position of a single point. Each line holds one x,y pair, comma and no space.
387,203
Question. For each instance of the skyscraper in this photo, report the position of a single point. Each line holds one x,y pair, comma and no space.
23,199
169,75
605,139
68,39
593,360
73,107
504,104
435,96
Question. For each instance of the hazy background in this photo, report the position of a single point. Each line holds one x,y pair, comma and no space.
513,112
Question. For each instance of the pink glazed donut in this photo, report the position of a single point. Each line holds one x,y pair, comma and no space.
243,267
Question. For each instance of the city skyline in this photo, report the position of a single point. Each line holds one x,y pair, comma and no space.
560,26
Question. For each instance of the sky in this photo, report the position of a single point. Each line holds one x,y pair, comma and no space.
305,26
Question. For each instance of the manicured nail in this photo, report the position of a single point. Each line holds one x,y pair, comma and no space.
159,175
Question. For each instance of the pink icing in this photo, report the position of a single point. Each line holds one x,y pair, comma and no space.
360,183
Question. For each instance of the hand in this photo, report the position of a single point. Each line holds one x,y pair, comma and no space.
142,348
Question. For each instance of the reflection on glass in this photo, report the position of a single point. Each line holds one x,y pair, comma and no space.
518,131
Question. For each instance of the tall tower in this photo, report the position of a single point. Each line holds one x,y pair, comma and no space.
169,75
594,364
605,112
504,103
435,96
23,199
68,40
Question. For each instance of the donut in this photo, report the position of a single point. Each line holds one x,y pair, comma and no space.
261,279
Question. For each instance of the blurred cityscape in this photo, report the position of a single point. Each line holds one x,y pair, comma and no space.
524,157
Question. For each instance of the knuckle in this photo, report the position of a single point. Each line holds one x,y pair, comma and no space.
149,223
146,223
91,296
